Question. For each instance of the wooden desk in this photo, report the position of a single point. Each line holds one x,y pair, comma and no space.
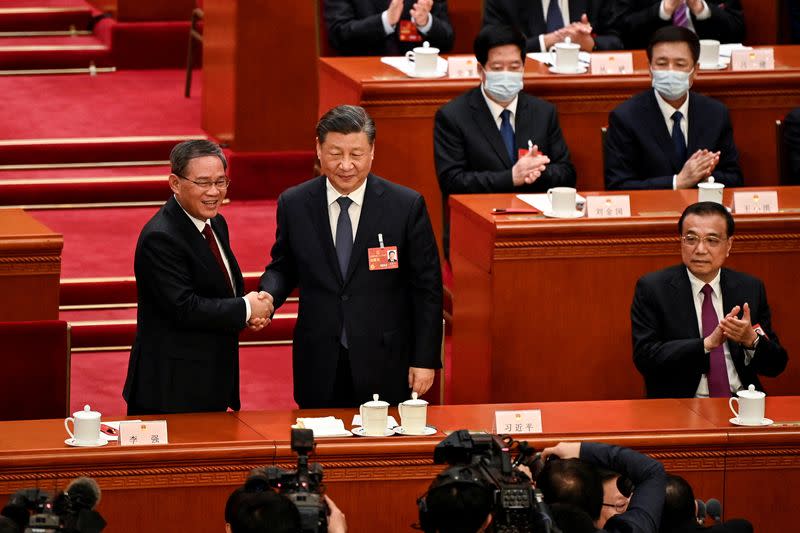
404,108
30,266
184,486
541,307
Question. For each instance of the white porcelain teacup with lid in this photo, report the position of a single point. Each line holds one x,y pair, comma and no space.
87,427
413,415
751,404
374,416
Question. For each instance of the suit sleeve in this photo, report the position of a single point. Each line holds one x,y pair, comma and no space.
605,24
652,354
441,34
346,33
450,154
164,262
727,170
770,358
559,172
623,158
791,138
638,23
649,479
726,23
496,13
426,286
280,277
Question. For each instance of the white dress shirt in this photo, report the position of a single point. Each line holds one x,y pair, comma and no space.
200,225
667,111
716,300
496,109
704,14
564,5
357,196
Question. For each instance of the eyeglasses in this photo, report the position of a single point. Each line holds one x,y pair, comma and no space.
618,507
711,241
221,183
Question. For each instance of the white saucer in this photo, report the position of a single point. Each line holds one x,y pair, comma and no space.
359,431
439,74
400,430
579,70
764,422
718,66
71,442
551,214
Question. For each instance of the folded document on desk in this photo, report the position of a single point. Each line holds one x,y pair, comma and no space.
326,426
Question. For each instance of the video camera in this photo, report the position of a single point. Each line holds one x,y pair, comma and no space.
303,486
71,511
486,460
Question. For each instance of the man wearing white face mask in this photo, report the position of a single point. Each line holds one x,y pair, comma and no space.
669,137
495,138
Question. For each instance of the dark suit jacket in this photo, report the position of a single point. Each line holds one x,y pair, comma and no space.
393,318
186,354
640,154
639,19
791,138
470,154
667,344
736,525
649,480
355,28
530,18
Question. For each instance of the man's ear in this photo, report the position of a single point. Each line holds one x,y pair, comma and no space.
174,183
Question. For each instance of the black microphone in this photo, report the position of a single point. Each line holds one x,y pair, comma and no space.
714,509
84,493
76,506
701,511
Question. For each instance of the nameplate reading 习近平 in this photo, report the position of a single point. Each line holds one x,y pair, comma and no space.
143,433
512,422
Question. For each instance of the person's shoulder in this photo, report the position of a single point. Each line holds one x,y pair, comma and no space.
460,105
301,189
539,105
662,277
740,278
707,103
390,189
632,107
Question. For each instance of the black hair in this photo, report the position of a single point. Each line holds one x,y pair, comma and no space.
261,512
675,34
572,519
346,119
492,36
679,507
705,209
574,482
186,151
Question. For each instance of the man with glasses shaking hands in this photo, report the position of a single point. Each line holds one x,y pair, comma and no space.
701,330
191,302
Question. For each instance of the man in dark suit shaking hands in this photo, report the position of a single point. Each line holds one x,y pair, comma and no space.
670,137
190,306
699,329
365,325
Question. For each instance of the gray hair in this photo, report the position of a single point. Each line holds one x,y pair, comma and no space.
186,151
346,119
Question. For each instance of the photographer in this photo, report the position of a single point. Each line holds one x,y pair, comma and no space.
680,514
460,507
647,475
270,512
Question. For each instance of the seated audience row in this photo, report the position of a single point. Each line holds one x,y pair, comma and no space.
392,27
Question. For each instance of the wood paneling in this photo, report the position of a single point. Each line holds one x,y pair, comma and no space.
541,307
30,267
184,486
404,108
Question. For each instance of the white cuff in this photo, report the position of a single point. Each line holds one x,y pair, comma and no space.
541,44
674,182
748,356
388,28
704,13
427,27
247,306
662,14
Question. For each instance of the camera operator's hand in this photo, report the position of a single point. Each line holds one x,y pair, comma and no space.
336,521
563,450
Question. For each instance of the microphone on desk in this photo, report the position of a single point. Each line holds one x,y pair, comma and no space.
701,511
714,509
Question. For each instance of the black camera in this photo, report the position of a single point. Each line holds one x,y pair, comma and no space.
486,460
303,486
71,511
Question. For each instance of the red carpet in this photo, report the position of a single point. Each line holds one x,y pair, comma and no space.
265,374
93,247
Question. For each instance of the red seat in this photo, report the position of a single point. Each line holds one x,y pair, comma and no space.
34,361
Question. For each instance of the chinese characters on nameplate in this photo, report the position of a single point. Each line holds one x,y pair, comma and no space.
755,202
512,422
617,206
143,433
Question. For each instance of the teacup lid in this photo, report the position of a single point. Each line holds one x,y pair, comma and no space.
375,402
426,48
86,413
567,43
415,400
750,393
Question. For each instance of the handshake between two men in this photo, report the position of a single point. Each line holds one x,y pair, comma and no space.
261,309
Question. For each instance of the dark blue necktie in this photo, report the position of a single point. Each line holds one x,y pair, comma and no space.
507,132
677,137
555,20
344,244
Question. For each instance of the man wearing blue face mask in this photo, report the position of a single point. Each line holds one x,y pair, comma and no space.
669,137
495,138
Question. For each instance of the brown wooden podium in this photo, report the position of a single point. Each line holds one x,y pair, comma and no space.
30,267
541,307
404,108
755,472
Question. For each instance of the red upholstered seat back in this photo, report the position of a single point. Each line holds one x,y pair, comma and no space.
34,364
